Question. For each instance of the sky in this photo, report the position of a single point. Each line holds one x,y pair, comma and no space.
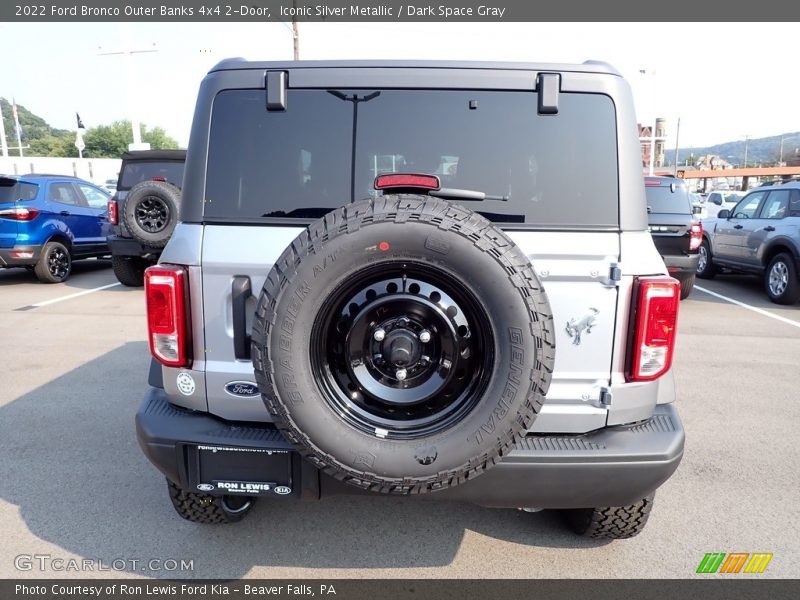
724,81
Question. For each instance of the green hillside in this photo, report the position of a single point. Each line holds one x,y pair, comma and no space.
761,151
103,141
42,139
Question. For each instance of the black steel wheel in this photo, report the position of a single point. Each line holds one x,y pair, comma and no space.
402,349
403,344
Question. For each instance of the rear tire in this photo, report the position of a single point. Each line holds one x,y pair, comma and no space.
55,263
780,280
611,523
687,284
705,267
208,509
129,270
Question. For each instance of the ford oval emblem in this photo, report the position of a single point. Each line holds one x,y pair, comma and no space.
242,389
205,487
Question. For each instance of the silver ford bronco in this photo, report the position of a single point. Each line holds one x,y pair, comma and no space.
427,279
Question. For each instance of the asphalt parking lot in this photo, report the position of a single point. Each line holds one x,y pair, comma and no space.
74,484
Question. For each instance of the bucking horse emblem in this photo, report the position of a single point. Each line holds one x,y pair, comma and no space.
575,328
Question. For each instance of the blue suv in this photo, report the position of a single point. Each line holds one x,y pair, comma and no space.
47,221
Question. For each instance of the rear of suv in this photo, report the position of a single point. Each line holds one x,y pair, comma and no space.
675,228
387,280
48,221
144,210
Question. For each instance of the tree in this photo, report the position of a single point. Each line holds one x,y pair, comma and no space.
110,141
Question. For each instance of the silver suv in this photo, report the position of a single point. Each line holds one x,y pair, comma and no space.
759,235
417,278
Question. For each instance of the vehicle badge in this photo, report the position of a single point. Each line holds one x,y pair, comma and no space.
576,327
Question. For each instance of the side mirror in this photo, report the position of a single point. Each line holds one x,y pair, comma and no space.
724,214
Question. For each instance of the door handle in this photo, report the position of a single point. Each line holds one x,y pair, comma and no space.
738,226
769,228
65,213
240,292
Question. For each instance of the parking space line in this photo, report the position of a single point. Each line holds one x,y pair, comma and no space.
760,311
68,297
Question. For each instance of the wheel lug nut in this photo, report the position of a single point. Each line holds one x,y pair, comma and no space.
425,336
379,335
401,374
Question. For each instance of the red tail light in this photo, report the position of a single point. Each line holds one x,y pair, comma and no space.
113,216
19,214
655,321
158,178
406,180
165,290
695,236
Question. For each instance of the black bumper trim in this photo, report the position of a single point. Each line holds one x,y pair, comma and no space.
614,466
6,260
122,246
681,264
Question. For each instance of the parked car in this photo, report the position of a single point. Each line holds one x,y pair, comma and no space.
699,207
716,201
760,235
144,210
110,185
498,331
47,221
676,229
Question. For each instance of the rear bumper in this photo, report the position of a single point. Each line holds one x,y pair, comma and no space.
122,246
614,466
7,258
681,265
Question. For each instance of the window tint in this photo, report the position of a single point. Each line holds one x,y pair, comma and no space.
747,207
552,169
94,197
11,191
776,206
64,193
135,172
661,199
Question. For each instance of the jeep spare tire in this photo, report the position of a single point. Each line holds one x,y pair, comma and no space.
403,344
151,212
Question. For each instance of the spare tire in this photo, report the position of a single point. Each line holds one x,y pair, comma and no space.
151,212
403,344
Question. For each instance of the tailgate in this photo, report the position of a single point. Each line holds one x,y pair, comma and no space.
578,271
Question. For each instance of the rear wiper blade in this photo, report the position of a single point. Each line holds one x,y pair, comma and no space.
457,194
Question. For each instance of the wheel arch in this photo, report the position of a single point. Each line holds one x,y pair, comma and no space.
779,246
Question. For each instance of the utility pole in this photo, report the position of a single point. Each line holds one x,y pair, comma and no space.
295,32
129,73
3,143
677,140
746,140
780,160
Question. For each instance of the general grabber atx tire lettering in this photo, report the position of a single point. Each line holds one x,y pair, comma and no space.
403,344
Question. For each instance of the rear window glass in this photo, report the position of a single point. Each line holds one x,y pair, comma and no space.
13,191
327,148
136,172
660,199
